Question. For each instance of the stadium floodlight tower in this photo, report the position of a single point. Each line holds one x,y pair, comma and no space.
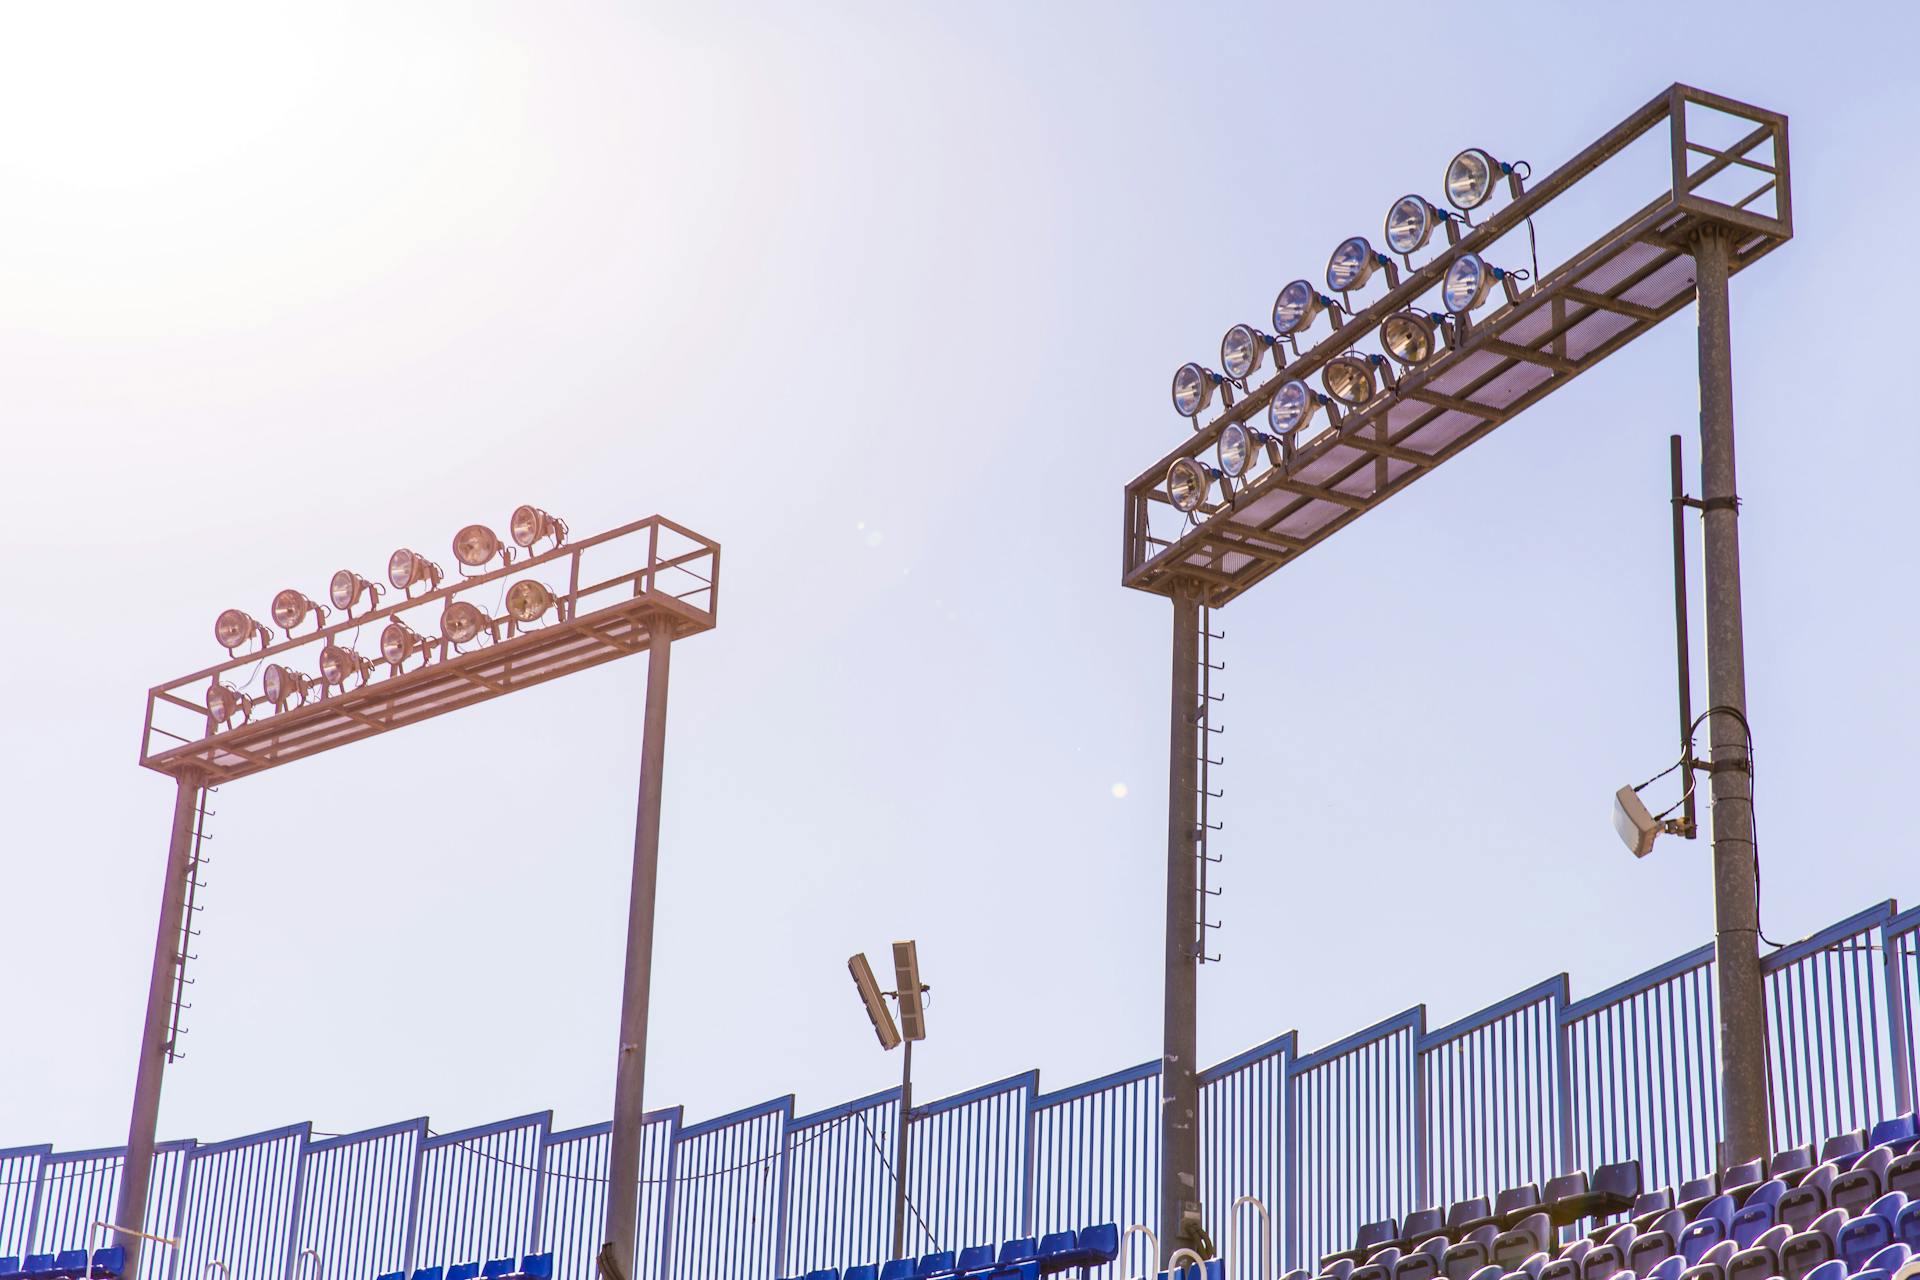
570,604
908,992
1465,345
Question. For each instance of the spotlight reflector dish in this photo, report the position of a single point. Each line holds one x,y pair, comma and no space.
234,627
1410,224
337,662
405,568
529,524
1187,484
1292,407
1296,307
476,545
1242,350
224,702
398,642
462,622
1349,380
1193,386
346,588
1468,282
528,600
1409,337
1234,450
1351,265
282,685
1470,178
290,609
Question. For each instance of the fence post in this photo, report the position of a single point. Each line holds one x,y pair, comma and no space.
1290,1219
1563,1076
1899,1031
413,1195
1420,1182
299,1201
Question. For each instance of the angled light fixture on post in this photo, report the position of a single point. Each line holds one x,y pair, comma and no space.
912,1026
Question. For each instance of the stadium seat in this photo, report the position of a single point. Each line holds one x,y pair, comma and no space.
1708,1228
1695,1192
109,1263
1843,1148
471,1271
429,1273
70,1262
393,1275
1760,1259
1515,1203
1657,1241
10,1266
1668,1268
1609,1258
1020,1249
938,1263
37,1264
1899,1133
496,1269
1338,1268
1025,1269
1528,1268
1794,1160
1712,1265
1801,1205
1869,1233
1468,1215
1906,1227
865,1271
1756,1215
1645,1207
1531,1234
898,1269
1831,1269
1861,1185
1475,1251
1090,1247
1420,1226
537,1266
1567,1265
1377,1267
1812,1248
1741,1178
1371,1238
1890,1259
1903,1174
822,1273
1422,1263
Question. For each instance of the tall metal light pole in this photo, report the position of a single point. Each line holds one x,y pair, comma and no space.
1205,534
908,992
1735,878
209,728
630,1072
1179,1112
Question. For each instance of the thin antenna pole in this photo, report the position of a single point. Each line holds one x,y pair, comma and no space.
1682,646
900,1155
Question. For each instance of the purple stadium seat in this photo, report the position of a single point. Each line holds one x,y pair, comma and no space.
109,1263
1800,1206
1812,1248
1567,1265
1475,1251
1869,1233
1712,1265
1339,1268
1906,1227
1422,1263
471,1271
1709,1227
1020,1249
1668,1268
1530,1235
1756,1215
1656,1241
865,1271
1760,1259
1861,1185
1609,1258
1377,1267
940,1262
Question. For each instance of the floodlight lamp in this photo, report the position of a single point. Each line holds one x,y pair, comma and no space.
290,609
476,544
1411,221
463,622
337,663
234,627
398,642
224,702
1350,379
1637,827
1354,263
1411,337
528,600
1294,310
1292,408
1193,388
1242,350
1470,279
284,686
1188,483
529,524
347,588
909,989
1470,178
406,569
1236,447
875,1001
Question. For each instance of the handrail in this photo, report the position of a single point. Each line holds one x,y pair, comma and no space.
309,1252
1153,1251
93,1231
1266,1236
225,1272
1174,1264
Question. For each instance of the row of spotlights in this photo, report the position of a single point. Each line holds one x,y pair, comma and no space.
474,547
528,600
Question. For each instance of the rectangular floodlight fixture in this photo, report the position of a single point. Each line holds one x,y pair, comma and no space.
1637,827
906,973
876,1002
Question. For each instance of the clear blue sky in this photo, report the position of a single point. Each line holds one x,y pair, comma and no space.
886,298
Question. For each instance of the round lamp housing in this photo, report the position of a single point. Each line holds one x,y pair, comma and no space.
1296,307
1410,224
1193,387
462,622
233,628
224,702
1242,350
1468,282
529,600
1235,449
1188,482
529,524
1292,407
346,587
1349,380
282,685
1352,265
290,609
337,662
1470,178
1409,337
398,642
476,545
406,568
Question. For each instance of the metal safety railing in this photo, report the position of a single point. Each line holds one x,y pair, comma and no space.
1305,1146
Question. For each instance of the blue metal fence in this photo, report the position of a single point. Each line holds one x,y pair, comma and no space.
1389,1119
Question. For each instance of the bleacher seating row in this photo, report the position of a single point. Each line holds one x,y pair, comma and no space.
535,1266
1854,1214
1022,1259
70,1264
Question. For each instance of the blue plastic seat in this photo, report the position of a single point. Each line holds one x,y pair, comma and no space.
70,1262
1890,1259
1906,1227
537,1266
974,1259
1831,1269
1869,1233
109,1263
393,1275
1812,1249
497,1268
429,1273
1712,1264
823,1273
1023,1249
1709,1227
898,1269
1668,1268
934,1264
865,1271
1088,1247
1899,1133
10,1266
464,1271
1025,1269
38,1266
1756,1215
